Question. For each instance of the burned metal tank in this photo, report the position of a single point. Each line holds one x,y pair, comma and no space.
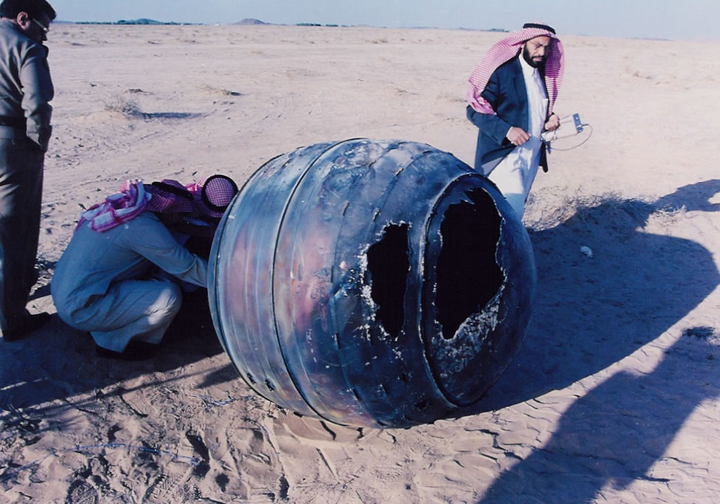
370,283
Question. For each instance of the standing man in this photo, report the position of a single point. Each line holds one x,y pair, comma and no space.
511,98
25,93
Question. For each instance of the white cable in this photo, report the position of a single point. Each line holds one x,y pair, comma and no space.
578,145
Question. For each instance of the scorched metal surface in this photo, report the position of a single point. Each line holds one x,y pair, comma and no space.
371,282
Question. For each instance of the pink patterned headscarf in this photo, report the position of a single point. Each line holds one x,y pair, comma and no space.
505,50
207,198
213,194
170,196
131,201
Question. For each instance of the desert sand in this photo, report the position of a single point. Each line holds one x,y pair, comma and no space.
615,393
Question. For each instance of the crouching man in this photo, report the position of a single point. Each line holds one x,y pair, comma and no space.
119,277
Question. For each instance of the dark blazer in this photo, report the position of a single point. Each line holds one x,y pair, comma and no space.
507,94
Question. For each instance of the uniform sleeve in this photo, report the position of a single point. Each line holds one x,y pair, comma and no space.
152,240
38,91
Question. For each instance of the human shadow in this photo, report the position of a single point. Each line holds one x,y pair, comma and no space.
592,312
618,431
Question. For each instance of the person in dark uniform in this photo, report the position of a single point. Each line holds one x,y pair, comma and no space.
26,90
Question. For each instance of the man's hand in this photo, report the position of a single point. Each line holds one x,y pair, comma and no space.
552,123
517,136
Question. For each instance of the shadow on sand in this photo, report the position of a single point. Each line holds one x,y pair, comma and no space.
590,313
617,432
59,362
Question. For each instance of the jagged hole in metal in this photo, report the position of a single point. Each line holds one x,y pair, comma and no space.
388,267
468,275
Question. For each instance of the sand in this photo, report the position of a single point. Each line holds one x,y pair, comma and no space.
615,394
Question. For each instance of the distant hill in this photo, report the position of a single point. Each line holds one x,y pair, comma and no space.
250,21
141,21
145,21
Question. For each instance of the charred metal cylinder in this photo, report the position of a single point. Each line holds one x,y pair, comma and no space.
371,283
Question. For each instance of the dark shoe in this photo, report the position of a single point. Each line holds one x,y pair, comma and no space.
135,351
32,323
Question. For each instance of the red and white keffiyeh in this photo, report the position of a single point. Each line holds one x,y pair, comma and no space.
131,201
206,198
213,194
505,50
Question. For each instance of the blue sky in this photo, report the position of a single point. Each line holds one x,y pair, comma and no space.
672,19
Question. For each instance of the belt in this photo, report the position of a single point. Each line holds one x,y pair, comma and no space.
13,122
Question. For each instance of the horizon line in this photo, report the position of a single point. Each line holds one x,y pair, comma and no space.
257,22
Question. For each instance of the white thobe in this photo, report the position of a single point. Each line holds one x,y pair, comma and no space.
103,283
515,174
